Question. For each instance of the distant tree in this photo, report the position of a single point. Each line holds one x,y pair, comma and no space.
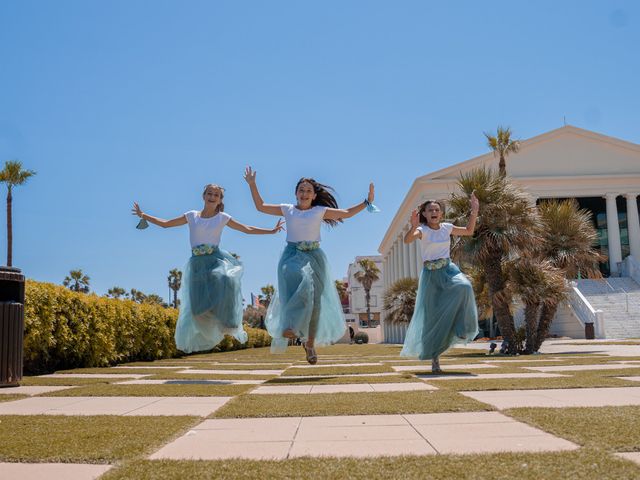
502,145
77,281
254,316
175,281
116,292
137,296
154,299
13,175
400,300
267,294
366,277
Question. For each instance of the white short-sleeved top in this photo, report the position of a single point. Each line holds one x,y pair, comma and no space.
205,230
435,244
303,225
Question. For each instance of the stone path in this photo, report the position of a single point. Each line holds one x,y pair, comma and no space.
341,388
38,471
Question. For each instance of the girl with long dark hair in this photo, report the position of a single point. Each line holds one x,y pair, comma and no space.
306,304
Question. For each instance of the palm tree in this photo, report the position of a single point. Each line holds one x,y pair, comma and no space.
154,299
137,296
267,294
369,274
77,281
400,300
569,241
13,175
175,281
502,145
116,292
508,224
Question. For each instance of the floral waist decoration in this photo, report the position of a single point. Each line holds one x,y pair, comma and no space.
307,246
436,264
204,249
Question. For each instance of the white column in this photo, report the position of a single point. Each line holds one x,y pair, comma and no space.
396,261
418,249
613,233
412,259
633,224
407,259
391,266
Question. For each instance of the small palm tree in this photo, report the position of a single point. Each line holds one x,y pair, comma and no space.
342,289
267,294
13,175
400,300
137,296
369,274
175,281
502,145
154,299
116,292
77,281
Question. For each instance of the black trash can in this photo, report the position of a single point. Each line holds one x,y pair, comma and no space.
11,326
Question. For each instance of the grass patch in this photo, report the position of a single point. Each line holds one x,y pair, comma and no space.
576,381
91,439
380,403
324,371
207,376
342,379
503,466
152,391
614,429
119,371
63,382
256,366
10,397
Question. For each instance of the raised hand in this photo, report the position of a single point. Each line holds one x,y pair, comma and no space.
279,226
136,210
475,203
249,175
415,219
371,195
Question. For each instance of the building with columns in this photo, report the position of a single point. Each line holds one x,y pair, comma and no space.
602,173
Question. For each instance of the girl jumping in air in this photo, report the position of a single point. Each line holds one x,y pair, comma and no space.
445,310
210,296
306,304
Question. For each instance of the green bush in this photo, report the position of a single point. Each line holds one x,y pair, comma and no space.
361,337
65,329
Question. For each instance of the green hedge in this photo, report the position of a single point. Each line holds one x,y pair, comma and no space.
65,329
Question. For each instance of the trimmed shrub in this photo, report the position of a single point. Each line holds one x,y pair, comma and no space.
361,337
65,329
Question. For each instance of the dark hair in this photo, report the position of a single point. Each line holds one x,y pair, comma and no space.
324,197
220,207
423,206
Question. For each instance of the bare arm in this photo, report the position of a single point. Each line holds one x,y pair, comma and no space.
250,177
340,213
174,222
413,232
248,229
471,226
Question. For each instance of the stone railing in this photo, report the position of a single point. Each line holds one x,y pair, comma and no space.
631,268
589,317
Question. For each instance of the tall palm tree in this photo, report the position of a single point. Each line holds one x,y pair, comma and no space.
77,281
400,300
116,292
13,175
508,224
569,240
267,294
369,274
341,288
502,145
175,281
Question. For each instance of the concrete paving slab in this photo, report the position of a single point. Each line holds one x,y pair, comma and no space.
38,471
633,456
356,433
386,374
32,390
198,406
281,389
360,449
633,379
191,382
579,368
489,376
341,388
232,372
427,367
222,450
95,375
464,445
401,387
575,397
324,365
149,367
461,418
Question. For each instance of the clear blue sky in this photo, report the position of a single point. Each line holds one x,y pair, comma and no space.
117,101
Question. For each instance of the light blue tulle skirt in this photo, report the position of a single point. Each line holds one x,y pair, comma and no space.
210,302
306,300
445,313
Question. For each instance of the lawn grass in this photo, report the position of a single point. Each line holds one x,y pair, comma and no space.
575,381
342,379
85,439
324,371
207,376
61,382
379,403
9,397
585,464
614,429
162,390
255,366
119,371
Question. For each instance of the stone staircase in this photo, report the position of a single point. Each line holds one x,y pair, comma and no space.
619,299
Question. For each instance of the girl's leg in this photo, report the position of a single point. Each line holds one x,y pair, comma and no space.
435,365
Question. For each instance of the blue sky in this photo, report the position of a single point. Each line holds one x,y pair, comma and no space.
117,101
